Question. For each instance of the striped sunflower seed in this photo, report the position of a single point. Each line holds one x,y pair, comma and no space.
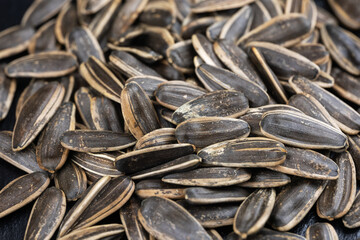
320,231
351,219
82,99
180,55
204,48
263,178
201,195
347,12
7,93
155,187
260,14
66,21
346,86
265,234
218,5
14,40
106,231
354,150
145,54
148,83
44,40
158,137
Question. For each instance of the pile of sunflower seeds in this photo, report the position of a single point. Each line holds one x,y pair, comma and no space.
183,116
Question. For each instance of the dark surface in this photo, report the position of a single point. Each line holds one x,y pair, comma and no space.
12,227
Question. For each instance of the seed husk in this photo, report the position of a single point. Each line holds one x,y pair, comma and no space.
173,94
274,7
7,93
160,13
339,195
167,71
218,5
347,12
72,180
308,164
128,217
155,187
14,40
44,40
265,234
303,132
215,78
69,83
41,11
201,195
65,22
82,99
91,6
96,204
260,14
213,31
180,55
180,164
106,231
354,150
237,61
351,219
316,52
246,152
164,219
50,155
158,137
143,53
194,23
320,231
204,48
82,43
346,86
253,212
96,141
148,83
209,177
22,191
294,202
343,46
139,160
263,178
212,216
42,65
205,131
225,103
24,160
46,214
36,113
106,115
138,111
345,116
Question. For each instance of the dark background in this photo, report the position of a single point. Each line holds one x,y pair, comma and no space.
12,227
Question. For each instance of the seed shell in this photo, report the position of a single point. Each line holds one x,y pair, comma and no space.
158,137
204,48
155,187
106,114
82,99
7,93
319,231
201,195
351,219
14,40
346,86
263,178
266,234
44,40
180,55
65,22
218,5
347,12
106,231
148,83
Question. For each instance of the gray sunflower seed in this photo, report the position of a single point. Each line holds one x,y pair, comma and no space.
42,65
319,231
36,113
294,202
204,48
180,55
343,46
300,130
237,61
50,155
347,12
226,103
106,231
138,111
144,53
46,214
213,31
260,14
354,150
218,5
308,164
254,115
345,116
7,93
139,160
128,217
182,9
82,99
69,83
148,83
312,107
346,86
317,53
325,17
22,191
165,69
101,199
100,164
266,234
263,178
96,141
155,187
169,218
180,164
14,40
161,13
65,22
339,195
194,23
92,6
351,219
157,137
201,195
41,11
72,180
285,30
312,38
247,152
205,131
215,78
212,216
82,43
24,160
273,7
209,177
44,40
253,212
173,94
106,115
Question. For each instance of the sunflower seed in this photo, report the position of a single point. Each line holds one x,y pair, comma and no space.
351,219
92,6
320,231
105,231
354,150
194,23
247,152
346,86
106,115
204,49
7,93
218,5
14,40
180,55
82,99
158,137
22,191
273,7
148,83
263,178
265,234
65,22
44,40
253,212
155,187
347,12
201,195
46,214
143,53
72,180
260,14
213,31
